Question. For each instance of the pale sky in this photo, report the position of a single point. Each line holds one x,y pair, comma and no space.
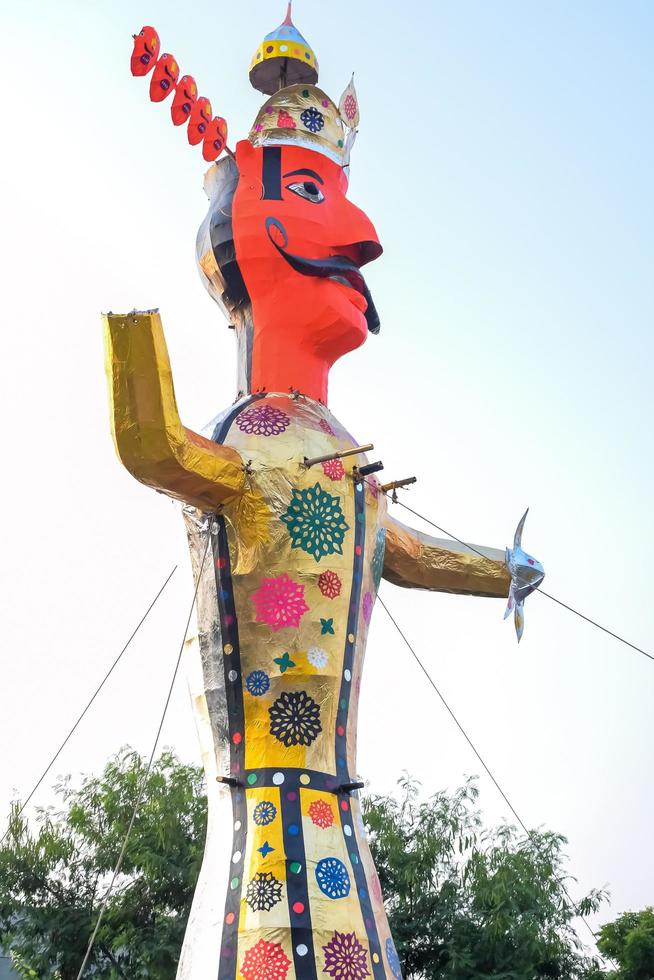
505,156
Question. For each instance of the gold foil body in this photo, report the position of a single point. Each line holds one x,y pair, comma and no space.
318,540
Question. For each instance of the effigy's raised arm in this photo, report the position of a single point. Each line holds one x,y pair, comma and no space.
417,561
150,439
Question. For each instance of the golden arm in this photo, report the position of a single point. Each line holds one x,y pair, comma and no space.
417,561
149,437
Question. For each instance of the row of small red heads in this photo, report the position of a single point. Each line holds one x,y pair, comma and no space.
202,126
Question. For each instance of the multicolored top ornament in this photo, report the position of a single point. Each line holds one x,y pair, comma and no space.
283,58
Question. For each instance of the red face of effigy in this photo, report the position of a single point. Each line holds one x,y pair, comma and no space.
300,245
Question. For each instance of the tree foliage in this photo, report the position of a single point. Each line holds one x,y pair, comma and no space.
53,879
629,943
467,903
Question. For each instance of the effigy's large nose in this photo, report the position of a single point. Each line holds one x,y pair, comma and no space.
357,234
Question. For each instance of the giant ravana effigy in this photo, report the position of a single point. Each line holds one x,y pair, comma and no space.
288,529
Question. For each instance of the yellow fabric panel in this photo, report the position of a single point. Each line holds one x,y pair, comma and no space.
329,915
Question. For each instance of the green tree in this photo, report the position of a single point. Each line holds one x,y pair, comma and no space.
53,879
467,903
629,943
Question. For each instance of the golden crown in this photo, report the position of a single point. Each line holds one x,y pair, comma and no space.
298,113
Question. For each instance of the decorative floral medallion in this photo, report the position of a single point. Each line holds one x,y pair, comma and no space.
332,877
280,602
265,961
263,892
315,522
285,121
263,420
257,683
264,813
345,957
326,427
318,658
367,605
334,469
295,719
330,584
321,814
350,106
313,119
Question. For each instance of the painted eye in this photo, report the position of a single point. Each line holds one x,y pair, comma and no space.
308,190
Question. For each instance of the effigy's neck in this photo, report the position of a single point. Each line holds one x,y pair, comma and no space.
277,366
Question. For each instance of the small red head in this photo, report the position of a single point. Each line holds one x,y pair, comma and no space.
199,120
164,78
185,97
215,139
300,245
146,51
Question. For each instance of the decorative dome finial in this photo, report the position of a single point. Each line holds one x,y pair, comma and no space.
283,58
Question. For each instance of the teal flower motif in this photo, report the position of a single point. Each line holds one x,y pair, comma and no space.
378,556
285,663
315,522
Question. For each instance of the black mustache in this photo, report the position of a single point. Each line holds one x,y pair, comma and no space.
333,265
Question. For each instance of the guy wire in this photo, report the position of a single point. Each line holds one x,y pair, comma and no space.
88,704
141,790
458,724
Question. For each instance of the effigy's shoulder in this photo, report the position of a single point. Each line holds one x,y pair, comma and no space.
299,493
282,429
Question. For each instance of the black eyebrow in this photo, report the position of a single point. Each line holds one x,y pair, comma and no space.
305,173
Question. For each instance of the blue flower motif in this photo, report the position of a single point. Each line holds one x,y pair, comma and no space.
332,877
378,556
393,959
315,522
257,683
264,813
313,119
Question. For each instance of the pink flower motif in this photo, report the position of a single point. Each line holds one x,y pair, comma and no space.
326,427
345,957
263,420
350,106
265,961
285,121
373,486
321,814
367,606
334,469
329,584
280,602
375,887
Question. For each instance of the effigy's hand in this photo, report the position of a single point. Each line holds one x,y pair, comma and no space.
527,575
149,437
